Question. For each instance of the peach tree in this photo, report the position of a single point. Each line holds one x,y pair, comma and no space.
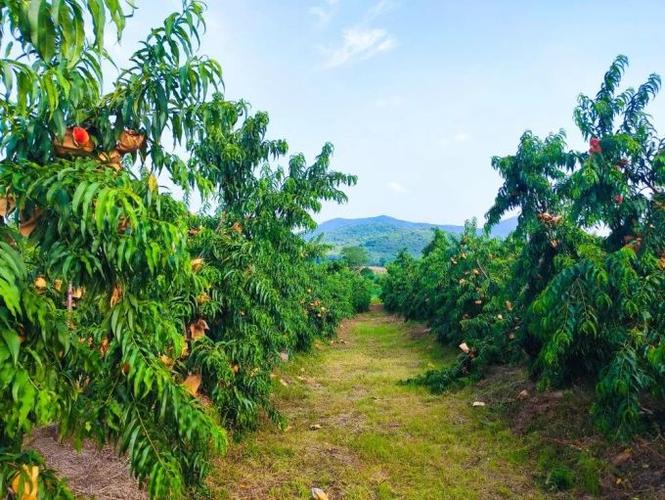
125,318
577,291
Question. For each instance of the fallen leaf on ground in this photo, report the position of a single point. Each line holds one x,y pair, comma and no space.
622,457
319,494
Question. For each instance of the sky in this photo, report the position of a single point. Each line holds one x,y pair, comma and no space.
418,95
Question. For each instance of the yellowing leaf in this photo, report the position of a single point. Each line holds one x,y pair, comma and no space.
152,183
197,264
25,483
116,295
40,284
104,346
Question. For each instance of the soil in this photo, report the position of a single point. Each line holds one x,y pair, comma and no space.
90,473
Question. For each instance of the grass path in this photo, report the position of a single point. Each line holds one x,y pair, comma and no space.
377,439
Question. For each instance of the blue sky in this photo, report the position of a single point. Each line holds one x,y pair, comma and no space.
418,95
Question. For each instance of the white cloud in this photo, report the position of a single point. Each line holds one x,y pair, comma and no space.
379,8
324,12
359,44
461,137
396,187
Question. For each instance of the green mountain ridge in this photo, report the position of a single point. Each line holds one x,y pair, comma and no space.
384,237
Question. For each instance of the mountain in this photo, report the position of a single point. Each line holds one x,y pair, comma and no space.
383,236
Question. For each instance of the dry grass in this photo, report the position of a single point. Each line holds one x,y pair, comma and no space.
91,472
377,439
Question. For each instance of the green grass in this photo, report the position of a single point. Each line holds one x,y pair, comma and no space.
378,439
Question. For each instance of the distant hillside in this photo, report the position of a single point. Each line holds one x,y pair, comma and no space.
384,236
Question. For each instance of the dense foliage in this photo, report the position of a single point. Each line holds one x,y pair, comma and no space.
578,290
124,317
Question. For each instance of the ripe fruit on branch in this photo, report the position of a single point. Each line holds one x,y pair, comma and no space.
594,145
197,264
80,136
76,141
618,199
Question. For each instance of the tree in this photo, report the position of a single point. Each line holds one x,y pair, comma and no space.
123,317
581,307
355,256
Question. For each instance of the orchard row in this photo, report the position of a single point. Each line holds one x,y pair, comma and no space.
124,317
577,293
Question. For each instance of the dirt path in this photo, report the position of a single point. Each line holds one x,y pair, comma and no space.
355,433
